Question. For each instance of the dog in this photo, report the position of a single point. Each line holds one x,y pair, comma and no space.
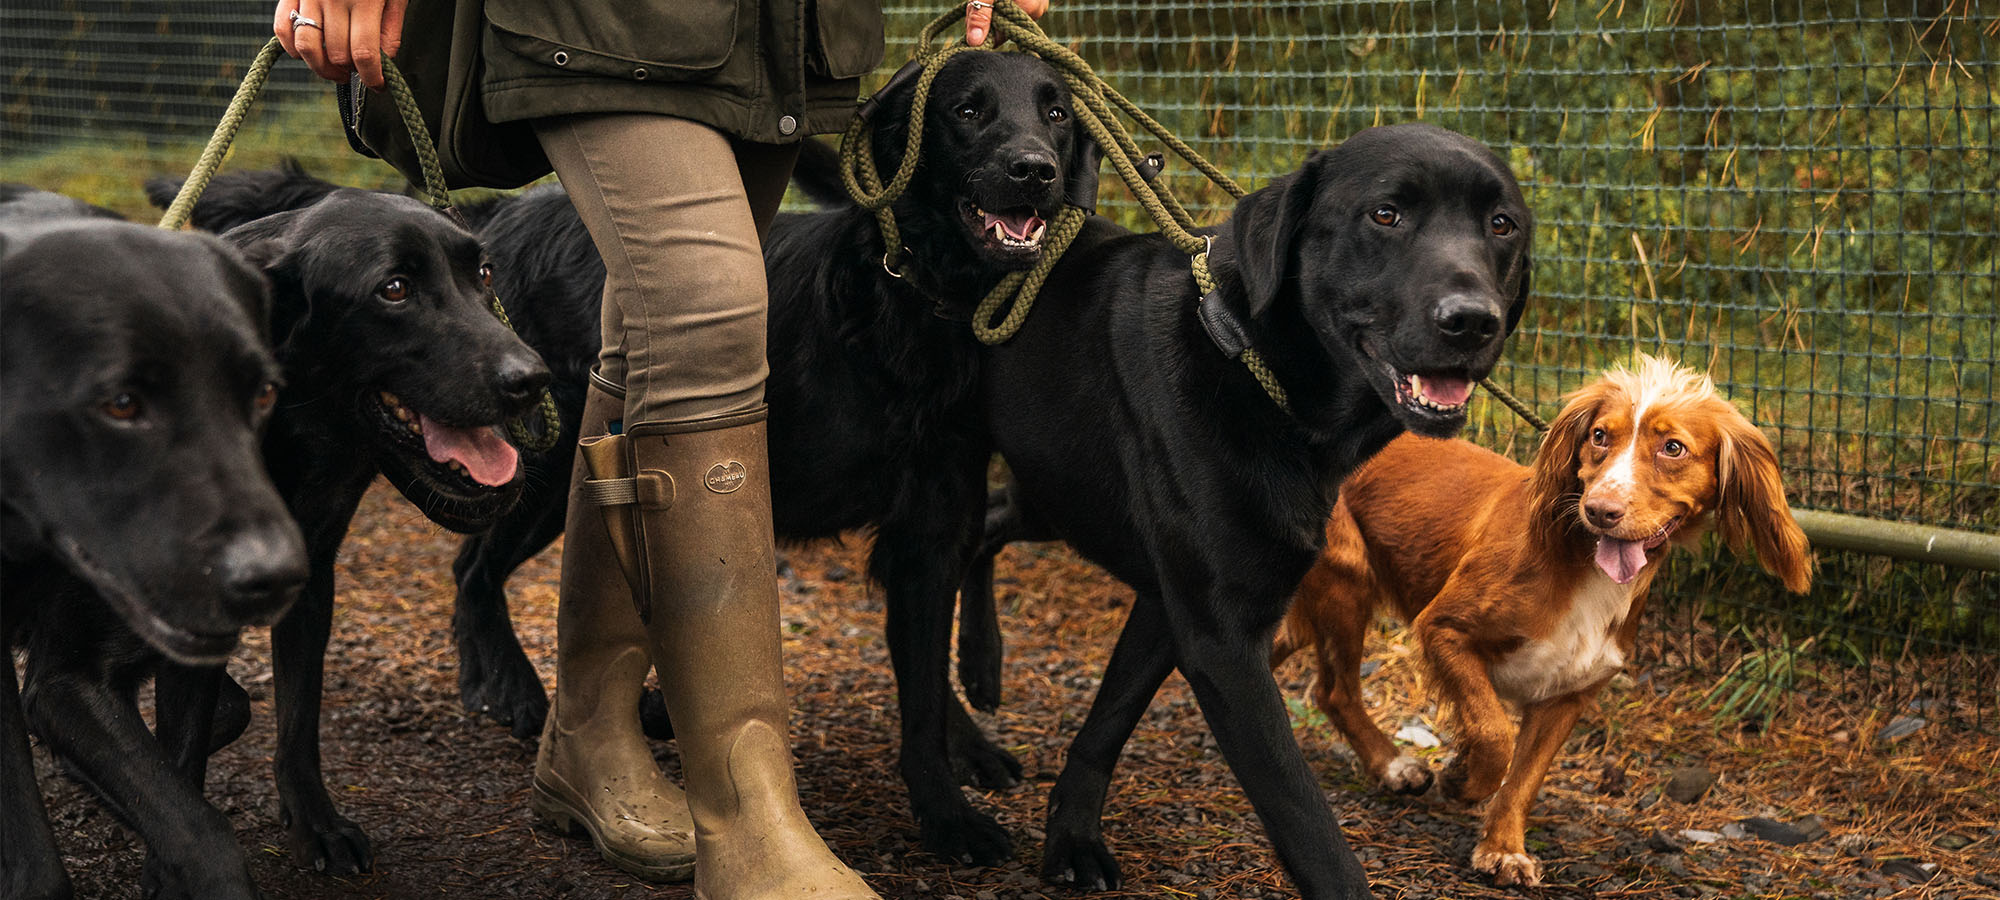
1525,585
874,405
1376,283
136,521
395,364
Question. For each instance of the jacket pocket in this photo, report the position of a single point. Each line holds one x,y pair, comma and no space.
678,40
850,36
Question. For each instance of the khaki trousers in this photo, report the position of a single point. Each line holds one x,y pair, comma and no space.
677,210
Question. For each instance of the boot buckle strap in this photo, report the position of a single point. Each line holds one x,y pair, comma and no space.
650,489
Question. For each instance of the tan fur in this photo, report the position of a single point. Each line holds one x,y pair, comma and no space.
1492,564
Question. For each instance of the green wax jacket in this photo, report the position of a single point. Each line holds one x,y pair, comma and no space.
771,71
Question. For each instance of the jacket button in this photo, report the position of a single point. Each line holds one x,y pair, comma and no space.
639,73
787,125
562,58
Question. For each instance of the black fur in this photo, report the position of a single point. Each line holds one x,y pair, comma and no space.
345,341
874,419
1130,436
138,520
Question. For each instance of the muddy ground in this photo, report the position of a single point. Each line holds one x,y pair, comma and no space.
444,793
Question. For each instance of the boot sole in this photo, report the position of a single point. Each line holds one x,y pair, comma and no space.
551,806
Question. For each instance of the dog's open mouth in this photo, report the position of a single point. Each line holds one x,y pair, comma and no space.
1429,403
456,460
1017,229
1621,559
1446,394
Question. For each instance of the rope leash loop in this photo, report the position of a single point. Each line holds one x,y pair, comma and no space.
435,194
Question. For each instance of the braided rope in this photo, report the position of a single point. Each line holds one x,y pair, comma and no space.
436,195
1520,407
182,208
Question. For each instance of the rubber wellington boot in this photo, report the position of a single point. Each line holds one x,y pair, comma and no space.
595,772
703,519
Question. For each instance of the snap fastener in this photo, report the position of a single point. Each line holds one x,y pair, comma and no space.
787,125
562,58
639,73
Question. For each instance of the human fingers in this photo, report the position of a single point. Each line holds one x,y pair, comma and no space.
282,26
339,24
309,36
392,27
978,21
364,48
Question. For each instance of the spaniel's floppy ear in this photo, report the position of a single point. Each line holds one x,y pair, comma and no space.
1751,509
1553,487
1265,229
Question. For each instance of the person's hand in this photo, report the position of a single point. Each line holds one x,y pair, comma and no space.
338,38
979,17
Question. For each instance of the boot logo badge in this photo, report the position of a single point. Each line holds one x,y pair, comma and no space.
725,477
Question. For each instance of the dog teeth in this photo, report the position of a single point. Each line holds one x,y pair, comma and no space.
1413,387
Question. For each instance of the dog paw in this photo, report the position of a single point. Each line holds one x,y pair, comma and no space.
982,688
1468,784
507,691
1080,861
977,761
331,845
1405,775
967,836
1508,868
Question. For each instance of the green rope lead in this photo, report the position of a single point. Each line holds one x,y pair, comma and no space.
225,133
182,208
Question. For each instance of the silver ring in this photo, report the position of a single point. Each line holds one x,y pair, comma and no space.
299,21
977,5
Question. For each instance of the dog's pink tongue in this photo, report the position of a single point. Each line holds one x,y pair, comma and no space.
1446,390
1621,560
490,460
1017,226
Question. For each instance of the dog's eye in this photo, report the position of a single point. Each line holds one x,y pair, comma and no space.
968,111
1673,449
1502,226
1386,216
486,274
395,290
1057,114
1599,437
123,407
267,396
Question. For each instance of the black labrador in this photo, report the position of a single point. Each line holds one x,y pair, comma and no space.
136,518
875,419
1377,282
394,364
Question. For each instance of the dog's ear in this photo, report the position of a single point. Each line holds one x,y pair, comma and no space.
1080,182
1265,228
1520,304
1751,508
1553,487
888,112
268,244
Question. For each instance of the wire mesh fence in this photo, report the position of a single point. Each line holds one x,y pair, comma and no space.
1802,197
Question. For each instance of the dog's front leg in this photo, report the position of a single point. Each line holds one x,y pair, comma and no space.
495,678
96,731
30,865
1075,852
1502,850
317,835
920,584
1485,732
1224,654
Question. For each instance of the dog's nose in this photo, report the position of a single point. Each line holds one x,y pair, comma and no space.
260,572
520,380
1604,513
1033,168
1466,322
